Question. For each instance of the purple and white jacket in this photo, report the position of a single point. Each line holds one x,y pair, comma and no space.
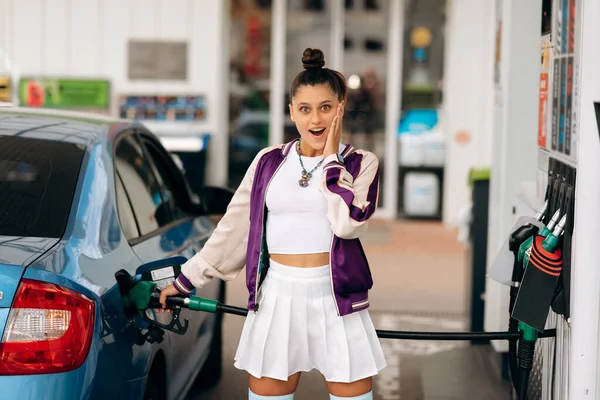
351,190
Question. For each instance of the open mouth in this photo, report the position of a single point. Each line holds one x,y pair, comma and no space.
317,132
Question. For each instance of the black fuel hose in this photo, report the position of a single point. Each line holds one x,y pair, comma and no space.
526,357
232,310
457,335
513,324
513,363
524,385
408,335
214,306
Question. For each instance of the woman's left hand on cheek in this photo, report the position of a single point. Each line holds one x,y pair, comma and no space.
335,132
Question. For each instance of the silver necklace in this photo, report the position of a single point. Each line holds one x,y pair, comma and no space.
306,175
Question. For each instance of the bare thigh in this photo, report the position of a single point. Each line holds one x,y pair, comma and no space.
351,389
273,387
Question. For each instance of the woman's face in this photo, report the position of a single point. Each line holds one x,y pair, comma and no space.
313,109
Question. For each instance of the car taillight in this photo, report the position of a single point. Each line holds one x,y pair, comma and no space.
49,330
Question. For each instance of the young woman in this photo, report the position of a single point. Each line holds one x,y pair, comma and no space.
295,222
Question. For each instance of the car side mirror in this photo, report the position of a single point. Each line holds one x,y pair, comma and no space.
214,199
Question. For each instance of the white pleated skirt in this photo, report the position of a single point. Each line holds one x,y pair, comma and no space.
297,329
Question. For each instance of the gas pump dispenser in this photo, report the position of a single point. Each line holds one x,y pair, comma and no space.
554,282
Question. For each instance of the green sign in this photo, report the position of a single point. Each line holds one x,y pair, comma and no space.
64,93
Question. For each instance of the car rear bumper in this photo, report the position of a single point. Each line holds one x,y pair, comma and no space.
76,385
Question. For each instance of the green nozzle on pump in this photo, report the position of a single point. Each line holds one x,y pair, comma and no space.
525,249
139,296
529,335
518,242
143,295
552,239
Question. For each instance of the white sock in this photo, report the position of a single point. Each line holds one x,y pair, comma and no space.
366,396
252,396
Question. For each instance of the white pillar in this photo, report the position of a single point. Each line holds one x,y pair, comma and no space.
393,105
585,274
219,162
4,35
467,96
277,83
207,75
337,35
7,66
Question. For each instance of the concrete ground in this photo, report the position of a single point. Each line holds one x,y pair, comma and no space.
419,269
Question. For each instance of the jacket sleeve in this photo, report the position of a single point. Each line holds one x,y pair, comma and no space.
350,202
224,254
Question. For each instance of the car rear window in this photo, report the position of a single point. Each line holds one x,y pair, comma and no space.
37,183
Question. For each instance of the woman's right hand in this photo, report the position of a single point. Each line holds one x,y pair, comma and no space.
167,292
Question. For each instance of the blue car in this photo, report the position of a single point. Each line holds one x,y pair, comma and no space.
82,197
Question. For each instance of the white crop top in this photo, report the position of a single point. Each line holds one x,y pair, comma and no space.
297,216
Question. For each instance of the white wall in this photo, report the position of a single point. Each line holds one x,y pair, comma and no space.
468,77
67,38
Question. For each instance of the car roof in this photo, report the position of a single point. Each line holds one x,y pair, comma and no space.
57,125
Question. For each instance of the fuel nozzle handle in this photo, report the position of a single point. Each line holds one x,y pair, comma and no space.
171,301
520,236
517,240
523,233
192,302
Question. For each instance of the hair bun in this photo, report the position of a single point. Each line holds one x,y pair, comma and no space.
313,58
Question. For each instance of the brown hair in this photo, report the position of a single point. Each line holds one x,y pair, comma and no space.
314,74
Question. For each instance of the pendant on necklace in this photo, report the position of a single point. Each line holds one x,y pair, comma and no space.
303,182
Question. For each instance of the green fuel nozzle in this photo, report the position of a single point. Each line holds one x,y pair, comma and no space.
529,335
519,240
550,244
525,249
